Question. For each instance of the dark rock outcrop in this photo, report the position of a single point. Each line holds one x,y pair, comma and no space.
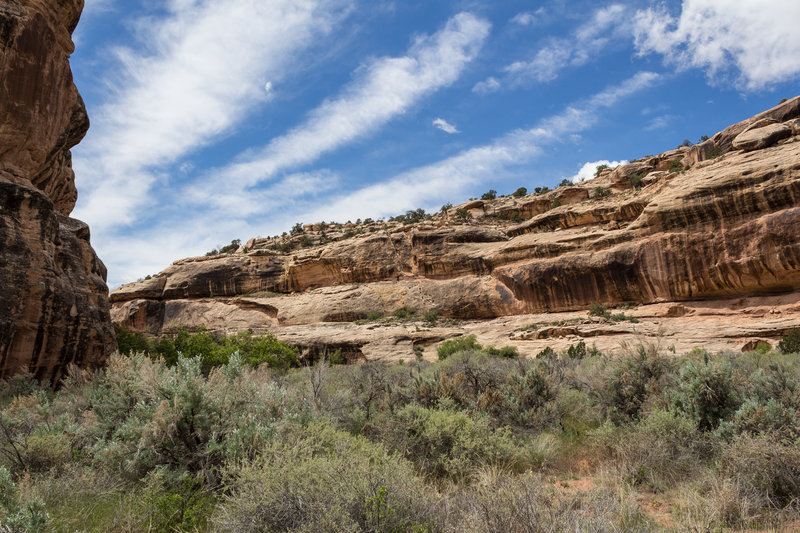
54,308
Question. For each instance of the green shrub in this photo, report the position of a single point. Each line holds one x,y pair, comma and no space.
147,415
284,247
297,229
213,350
177,502
306,242
663,449
462,214
599,169
445,443
577,351
636,180
599,310
431,317
491,194
129,341
405,313
565,183
636,378
519,193
766,473
451,346
527,401
547,353
790,343
506,352
321,479
676,165
771,418
16,514
707,393
232,247
446,207
601,192
622,317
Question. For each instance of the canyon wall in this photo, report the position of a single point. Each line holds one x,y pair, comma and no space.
54,308
710,222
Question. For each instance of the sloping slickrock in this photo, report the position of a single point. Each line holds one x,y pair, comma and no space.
783,112
758,138
54,308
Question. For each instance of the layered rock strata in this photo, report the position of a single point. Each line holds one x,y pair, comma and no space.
54,308
717,220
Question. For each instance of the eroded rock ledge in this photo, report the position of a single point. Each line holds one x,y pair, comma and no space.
717,220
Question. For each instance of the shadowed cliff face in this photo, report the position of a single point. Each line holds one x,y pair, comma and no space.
727,226
54,298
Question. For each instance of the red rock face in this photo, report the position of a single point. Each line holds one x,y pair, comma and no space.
728,226
54,307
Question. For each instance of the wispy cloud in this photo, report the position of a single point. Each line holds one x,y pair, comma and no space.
441,181
445,126
206,66
526,18
384,88
585,42
489,85
757,43
661,121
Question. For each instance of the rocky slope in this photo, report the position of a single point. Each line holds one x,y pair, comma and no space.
715,222
54,307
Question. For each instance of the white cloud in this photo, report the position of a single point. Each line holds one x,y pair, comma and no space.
659,122
445,126
489,85
524,18
443,181
384,88
588,170
586,41
207,65
757,42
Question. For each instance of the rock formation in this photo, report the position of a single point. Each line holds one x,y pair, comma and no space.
54,308
718,220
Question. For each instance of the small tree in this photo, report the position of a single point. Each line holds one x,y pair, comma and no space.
790,343
519,193
599,169
491,194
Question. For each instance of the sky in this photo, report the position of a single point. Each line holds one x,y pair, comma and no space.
215,120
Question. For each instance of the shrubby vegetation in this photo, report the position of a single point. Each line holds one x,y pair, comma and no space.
480,440
212,349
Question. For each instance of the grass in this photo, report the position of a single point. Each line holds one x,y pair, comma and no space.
476,441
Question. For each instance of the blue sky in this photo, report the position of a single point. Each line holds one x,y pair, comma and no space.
214,120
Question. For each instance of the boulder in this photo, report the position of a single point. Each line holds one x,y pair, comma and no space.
763,137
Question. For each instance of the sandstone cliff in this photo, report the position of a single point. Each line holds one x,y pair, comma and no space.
717,220
54,307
